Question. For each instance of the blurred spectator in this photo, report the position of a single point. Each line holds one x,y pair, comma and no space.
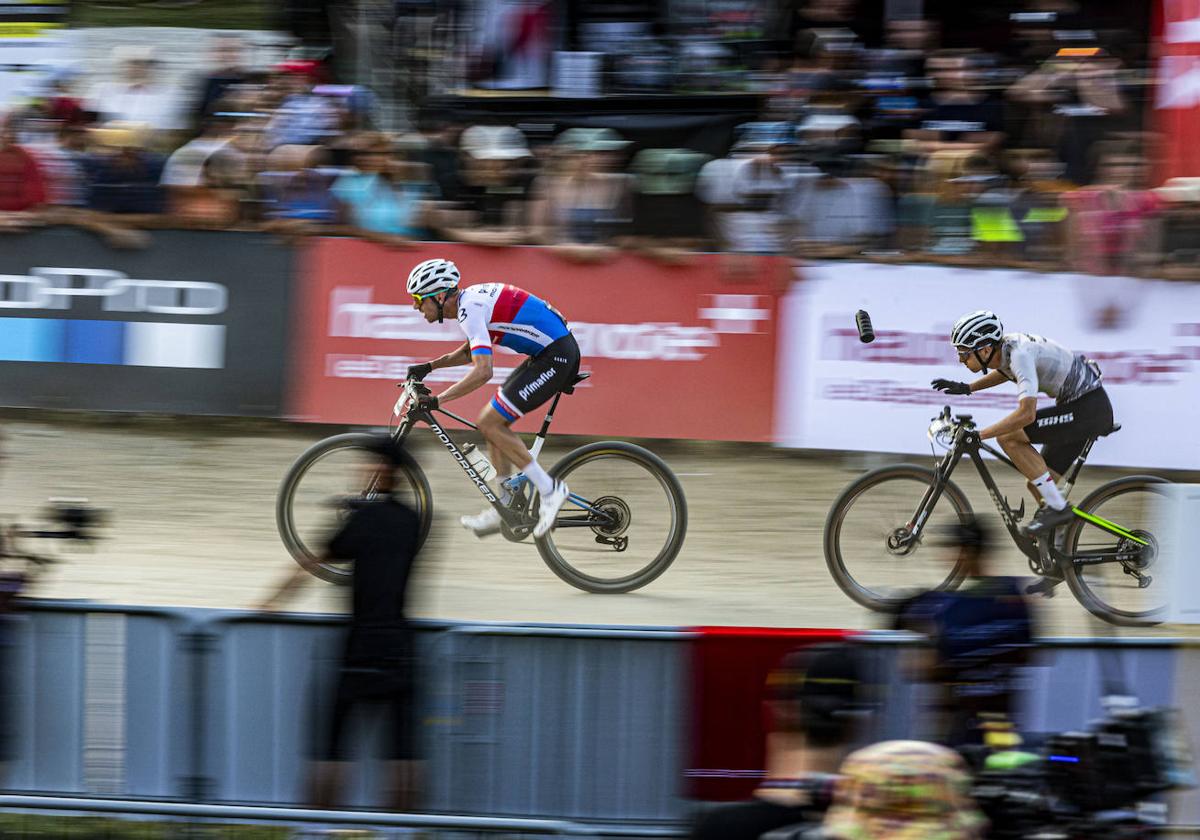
586,205
748,192
1112,223
835,210
59,102
815,701
137,96
62,154
441,153
122,175
22,181
227,70
959,113
497,173
981,636
296,187
302,116
904,790
385,198
203,176
666,212
1074,100
379,664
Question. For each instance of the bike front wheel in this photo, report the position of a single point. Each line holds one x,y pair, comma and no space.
320,489
624,523
868,544
1124,583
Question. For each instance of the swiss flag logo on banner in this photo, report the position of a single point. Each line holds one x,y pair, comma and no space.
1177,103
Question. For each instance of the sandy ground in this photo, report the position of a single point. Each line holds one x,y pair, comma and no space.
192,523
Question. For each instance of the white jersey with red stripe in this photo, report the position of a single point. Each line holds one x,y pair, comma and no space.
499,314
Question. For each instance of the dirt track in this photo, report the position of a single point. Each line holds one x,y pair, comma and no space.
193,524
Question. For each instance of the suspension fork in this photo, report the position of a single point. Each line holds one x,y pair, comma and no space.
934,491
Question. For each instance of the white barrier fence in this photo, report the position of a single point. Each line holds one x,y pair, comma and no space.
836,393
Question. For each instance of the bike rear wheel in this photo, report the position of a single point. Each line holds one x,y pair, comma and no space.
319,489
624,523
1114,590
865,532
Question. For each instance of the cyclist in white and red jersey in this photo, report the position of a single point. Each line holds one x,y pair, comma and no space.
496,314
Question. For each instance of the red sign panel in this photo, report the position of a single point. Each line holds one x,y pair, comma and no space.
1177,94
674,352
730,666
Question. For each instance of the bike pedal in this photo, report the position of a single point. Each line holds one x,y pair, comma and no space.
1044,587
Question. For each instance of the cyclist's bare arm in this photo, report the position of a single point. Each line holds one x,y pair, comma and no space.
459,356
479,376
989,380
1025,414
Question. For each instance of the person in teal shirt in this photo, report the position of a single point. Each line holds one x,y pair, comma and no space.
383,198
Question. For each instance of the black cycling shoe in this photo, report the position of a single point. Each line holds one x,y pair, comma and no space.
1043,587
1047,519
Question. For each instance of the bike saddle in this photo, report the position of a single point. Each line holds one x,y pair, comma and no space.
1116,427
579,377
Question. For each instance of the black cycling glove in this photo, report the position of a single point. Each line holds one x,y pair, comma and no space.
419,372
427,402
951,387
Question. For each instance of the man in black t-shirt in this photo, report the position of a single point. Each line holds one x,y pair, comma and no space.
378,666
815,700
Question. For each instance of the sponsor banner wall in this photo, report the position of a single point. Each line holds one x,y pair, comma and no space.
673,352
194,324
837,393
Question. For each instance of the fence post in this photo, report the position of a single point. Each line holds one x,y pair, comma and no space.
197,644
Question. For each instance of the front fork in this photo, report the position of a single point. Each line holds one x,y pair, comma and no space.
945,467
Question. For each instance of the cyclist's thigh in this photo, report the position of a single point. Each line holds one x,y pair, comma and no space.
540,378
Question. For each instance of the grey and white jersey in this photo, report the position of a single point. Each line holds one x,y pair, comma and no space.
1039,364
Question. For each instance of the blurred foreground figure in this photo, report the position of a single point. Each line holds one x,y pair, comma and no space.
903,790
981,636
815,700
378,666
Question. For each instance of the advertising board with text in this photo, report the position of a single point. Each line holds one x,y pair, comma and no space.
837,393
674,352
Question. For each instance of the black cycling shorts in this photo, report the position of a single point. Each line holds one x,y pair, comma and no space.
1064,429
537,379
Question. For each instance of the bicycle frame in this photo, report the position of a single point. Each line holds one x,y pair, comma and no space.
519,522
967,442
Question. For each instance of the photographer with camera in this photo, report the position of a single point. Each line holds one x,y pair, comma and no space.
378,666
815,701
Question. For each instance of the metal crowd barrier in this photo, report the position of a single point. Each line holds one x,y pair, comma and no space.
559,723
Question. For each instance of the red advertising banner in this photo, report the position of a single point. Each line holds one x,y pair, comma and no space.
674,352
1177,95
730,666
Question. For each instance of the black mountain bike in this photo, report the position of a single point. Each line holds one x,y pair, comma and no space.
875,531
622,526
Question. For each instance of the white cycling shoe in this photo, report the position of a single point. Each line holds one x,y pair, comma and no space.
549,508
484,524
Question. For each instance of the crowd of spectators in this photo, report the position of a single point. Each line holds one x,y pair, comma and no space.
907,152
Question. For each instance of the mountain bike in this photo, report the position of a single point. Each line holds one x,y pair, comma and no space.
622,526
876,530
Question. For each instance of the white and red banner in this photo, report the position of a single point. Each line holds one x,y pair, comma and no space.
674,352
838,393
1177,95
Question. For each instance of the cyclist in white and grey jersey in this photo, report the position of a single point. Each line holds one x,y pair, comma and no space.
1081,411
1039,364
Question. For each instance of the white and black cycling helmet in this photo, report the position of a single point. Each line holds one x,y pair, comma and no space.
431,277
976,329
